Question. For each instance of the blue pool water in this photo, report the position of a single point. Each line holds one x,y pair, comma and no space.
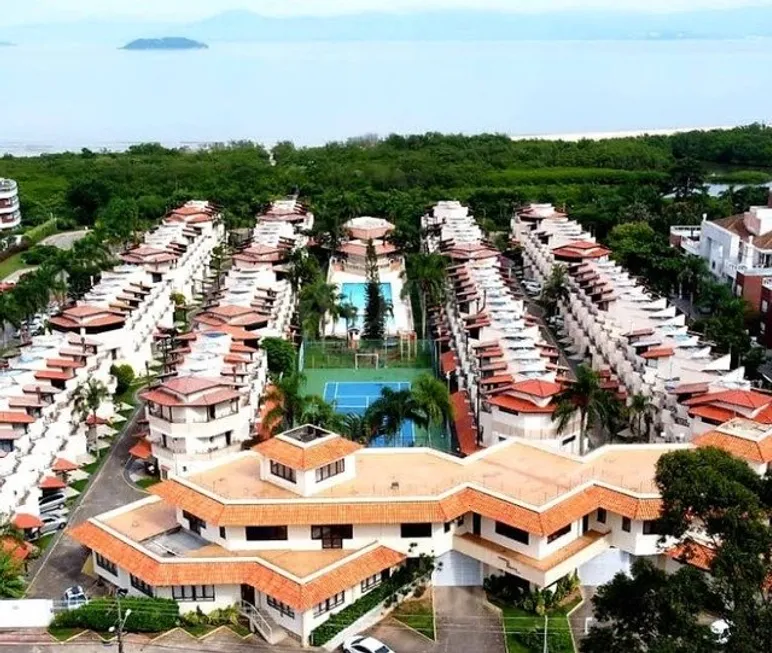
356,294
355,397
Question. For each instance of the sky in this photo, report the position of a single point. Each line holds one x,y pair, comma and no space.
36,11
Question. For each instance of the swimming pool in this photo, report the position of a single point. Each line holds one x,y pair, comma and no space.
356,294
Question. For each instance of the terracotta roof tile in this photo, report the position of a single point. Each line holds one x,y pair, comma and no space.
14,417
756,451
537,388
518,405
24,520
308,457
52,483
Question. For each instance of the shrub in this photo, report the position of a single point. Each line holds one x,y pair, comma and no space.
148,615
558,641
124,375
36,234
281,355
39,254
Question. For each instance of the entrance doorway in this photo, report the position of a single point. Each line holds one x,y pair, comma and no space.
248,594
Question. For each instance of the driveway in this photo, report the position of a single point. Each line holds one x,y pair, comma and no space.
464,620
60,566
64,240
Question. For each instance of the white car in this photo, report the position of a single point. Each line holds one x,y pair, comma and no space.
362,644
51,524
74,597
720,629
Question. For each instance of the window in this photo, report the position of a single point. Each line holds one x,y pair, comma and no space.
263,533
330,604
212,414
193,592
558,533
764,305
281,608
601,515
222,532
369,583
626,524
332,536
194,523
447,526
652,527
517,534
568,441
762,328
141,585
105,564
328,471
416,530
282,471
228,438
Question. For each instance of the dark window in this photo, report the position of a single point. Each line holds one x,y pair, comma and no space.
369,583
222,532
601,515
262,533
558,533
416,530
281,608
212,412
626,524
332,536
194,523
282,471
193,592
329,604
105,564
328,471
228,438
652,527
141,585
447,526
516,534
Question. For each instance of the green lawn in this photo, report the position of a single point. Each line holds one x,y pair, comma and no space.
240,629
147,482
525,630
418,614
79,485
43,543
11,264
63,634
199,630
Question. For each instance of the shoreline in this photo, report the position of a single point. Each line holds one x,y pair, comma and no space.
37,149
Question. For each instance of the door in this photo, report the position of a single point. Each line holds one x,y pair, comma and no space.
455,569
585,524
248,594
476,524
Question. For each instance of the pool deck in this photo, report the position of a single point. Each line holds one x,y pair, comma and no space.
402,320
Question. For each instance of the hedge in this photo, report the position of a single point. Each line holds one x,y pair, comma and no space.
148,615
558,641
44,230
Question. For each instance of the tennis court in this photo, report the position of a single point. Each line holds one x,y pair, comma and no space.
355,397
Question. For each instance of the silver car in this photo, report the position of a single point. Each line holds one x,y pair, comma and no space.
362,644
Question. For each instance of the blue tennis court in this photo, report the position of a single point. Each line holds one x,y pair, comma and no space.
355,396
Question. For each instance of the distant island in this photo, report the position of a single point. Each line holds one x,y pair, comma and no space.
167,43
6,44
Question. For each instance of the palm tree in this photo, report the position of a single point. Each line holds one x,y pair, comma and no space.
12,584
317,301
431,399
348,312
555,290
88,398
9,313
586,397
692,274
358,428
640,412
286,393
393,408
321,413
302,269
425,276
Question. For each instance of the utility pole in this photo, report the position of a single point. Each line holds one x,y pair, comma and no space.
122,619
546,623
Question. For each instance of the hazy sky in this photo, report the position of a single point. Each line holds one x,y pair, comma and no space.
22,11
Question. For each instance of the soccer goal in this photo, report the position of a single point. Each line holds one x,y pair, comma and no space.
366,360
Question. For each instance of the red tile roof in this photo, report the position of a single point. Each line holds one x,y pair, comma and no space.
466,433
658,352
308,457
63,465
141,450
518,405
24,520
712,413
13,417
694,554
757,451
742,398
448,362
537,388
52,483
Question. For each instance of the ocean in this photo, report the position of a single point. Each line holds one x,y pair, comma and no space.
68,97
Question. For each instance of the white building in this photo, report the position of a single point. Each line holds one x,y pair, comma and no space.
10,213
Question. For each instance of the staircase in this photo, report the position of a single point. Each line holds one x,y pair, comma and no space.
260,622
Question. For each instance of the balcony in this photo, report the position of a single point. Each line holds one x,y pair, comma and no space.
542,572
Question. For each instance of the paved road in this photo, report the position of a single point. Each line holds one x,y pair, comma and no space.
64,240
61,564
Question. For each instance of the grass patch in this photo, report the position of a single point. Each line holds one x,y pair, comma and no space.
417,614
240,629
92,468
147,482
63,634
525,630
11,264
80,484
44,542
199,630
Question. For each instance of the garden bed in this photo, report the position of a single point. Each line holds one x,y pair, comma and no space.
524,631
418,614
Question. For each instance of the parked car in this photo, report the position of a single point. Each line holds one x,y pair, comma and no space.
51,524
720,629
51,502
74,597
362,644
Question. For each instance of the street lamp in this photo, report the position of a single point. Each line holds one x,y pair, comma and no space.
122,619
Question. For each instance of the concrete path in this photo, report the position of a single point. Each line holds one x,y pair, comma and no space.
64,240
60,566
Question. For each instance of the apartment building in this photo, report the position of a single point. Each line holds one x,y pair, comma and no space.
305,523
208,400
115,322
10,213
616,324
505,375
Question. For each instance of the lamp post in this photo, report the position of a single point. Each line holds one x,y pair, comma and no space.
122,619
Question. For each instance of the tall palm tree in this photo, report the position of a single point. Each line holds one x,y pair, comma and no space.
347,312
286,393
431,399
88,398
424,275
555,290
9,313
302,269
640,412
317,301
358,428
393,408
692,274
586,397
321,413
12,584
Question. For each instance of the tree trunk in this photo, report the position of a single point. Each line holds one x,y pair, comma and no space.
422,301
583,433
